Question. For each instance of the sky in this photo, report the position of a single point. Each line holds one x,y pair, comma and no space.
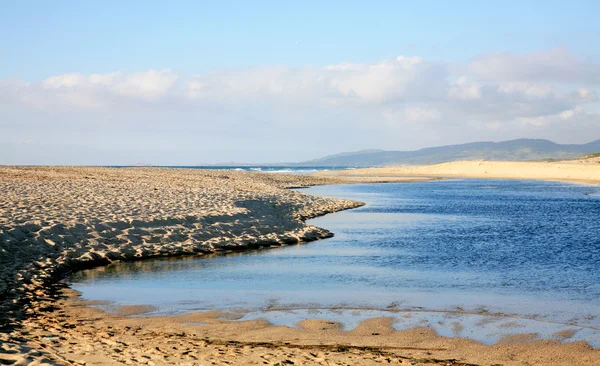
199,82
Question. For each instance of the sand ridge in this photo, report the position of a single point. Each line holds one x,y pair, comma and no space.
575,170
54,220
57,219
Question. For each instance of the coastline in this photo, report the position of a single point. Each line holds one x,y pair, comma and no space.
62,330
55,220
91,336
586,171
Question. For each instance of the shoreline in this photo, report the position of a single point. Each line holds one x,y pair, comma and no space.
581,171
44,304
91,336
55,220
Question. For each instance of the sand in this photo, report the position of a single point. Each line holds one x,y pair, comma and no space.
75,333
57,220
576,170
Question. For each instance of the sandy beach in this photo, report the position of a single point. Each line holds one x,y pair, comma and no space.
57,220
576,170
300,183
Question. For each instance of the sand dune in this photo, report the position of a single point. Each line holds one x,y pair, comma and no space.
581,170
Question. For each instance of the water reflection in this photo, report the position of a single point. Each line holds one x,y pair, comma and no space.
526,248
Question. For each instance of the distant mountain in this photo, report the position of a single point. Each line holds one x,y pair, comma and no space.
516,150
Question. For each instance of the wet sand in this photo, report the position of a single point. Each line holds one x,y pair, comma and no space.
56,220
78,334
576,170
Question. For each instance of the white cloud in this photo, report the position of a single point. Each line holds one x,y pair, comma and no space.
91,91
412,115
146,85
383,82
396,80
463,89
400,83
556,65
564,116
404,102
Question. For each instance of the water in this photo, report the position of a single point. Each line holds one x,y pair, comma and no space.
281,169
475,258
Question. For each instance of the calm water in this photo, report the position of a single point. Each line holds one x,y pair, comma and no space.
281,169
522,248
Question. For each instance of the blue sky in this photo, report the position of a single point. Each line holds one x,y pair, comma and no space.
198,36
543,48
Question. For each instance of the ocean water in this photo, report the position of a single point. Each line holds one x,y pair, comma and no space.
496,257
281,169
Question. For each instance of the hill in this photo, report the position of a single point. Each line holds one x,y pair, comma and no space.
513,150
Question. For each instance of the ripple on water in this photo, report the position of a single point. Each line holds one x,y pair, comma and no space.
511,247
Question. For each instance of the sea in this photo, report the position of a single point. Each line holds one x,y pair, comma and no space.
281,169
475,258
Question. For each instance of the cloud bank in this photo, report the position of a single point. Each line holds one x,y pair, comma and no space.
277,113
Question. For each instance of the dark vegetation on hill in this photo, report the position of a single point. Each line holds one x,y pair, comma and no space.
513,150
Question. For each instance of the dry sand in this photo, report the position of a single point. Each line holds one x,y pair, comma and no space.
576,170
55,220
